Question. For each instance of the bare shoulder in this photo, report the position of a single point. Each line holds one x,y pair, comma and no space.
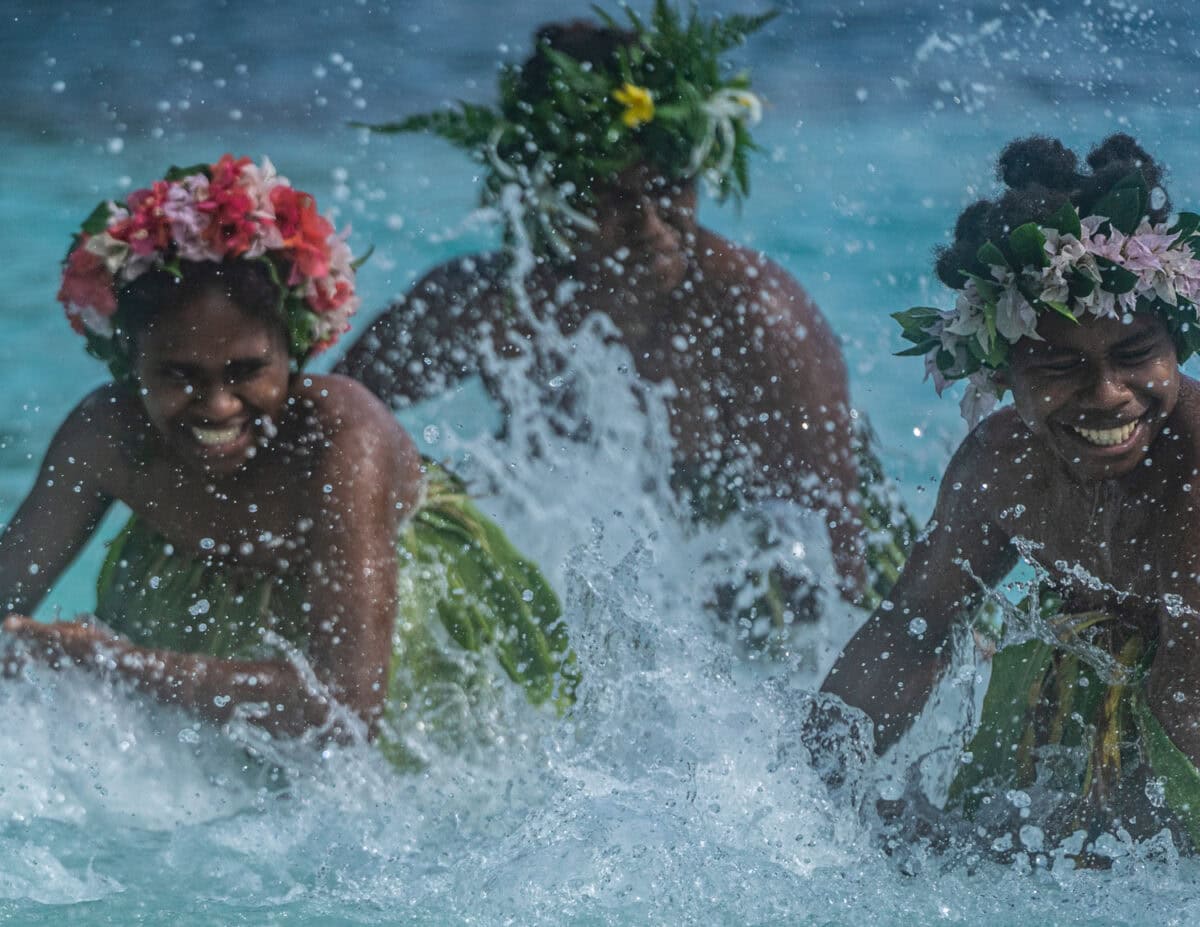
999,461
1184,422
357,426
347,411
103,429
766,287
1177,450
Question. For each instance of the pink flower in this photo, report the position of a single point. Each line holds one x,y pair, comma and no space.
189,224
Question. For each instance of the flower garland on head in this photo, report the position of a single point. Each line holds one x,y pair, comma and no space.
233,209
664,99
1109,265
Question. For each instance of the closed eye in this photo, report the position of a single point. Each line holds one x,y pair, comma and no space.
175,373
239,371
1059,366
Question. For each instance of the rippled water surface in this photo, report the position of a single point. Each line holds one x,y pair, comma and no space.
678,792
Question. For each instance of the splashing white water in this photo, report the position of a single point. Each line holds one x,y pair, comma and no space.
680,790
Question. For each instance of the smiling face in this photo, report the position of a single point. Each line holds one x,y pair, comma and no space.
1098,392
214,377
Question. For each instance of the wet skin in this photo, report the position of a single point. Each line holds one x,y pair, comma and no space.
222,445
761,386
1121,504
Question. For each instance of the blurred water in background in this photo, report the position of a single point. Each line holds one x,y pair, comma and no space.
678,792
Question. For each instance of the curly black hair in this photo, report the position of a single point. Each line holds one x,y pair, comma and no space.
1042,175
580,39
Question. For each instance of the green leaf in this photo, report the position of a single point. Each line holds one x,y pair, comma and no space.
179,173
1114,278
97,220
362,259
920,349
1028,245
1018,674
988,289
1061,308
470,126
1180,779
733,30
918,317
990,255
1187,225
1125,204
1081,285
1065,221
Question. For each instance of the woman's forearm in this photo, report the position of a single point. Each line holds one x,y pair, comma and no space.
215,689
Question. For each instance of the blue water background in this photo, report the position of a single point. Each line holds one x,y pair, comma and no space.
882,122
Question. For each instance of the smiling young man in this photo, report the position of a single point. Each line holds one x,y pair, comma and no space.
1078,299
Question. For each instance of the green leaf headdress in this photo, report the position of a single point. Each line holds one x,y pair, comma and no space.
660,96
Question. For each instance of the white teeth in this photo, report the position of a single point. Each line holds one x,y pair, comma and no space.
215,437
1107,437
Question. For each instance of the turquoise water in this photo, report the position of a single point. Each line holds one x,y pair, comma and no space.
677,794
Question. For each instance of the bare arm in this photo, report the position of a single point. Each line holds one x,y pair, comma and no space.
432,337
351,585
889,668
61,511
1173,686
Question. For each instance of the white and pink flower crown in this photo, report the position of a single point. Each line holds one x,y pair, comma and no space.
233,209
1108,265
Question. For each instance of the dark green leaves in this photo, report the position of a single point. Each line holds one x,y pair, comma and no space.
1065,221
175,173
97,220
991,256
1125,204
1114,278
468,126
1028,245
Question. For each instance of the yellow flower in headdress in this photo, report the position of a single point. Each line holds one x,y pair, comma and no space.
639,105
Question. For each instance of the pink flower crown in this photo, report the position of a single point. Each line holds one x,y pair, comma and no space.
231,209
1107,265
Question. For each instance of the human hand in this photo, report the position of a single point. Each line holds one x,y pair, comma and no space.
830,738
60,643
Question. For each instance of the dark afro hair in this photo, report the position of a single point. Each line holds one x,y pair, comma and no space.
580,39
1042,175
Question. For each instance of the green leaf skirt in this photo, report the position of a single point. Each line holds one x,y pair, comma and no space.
473,615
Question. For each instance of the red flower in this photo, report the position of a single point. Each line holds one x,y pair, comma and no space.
146,229
233,225
86,283
325,295
305,233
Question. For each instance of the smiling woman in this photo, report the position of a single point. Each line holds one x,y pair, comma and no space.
289,557
1077,297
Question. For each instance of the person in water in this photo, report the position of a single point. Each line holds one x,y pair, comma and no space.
593,160
289,556
1076,296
